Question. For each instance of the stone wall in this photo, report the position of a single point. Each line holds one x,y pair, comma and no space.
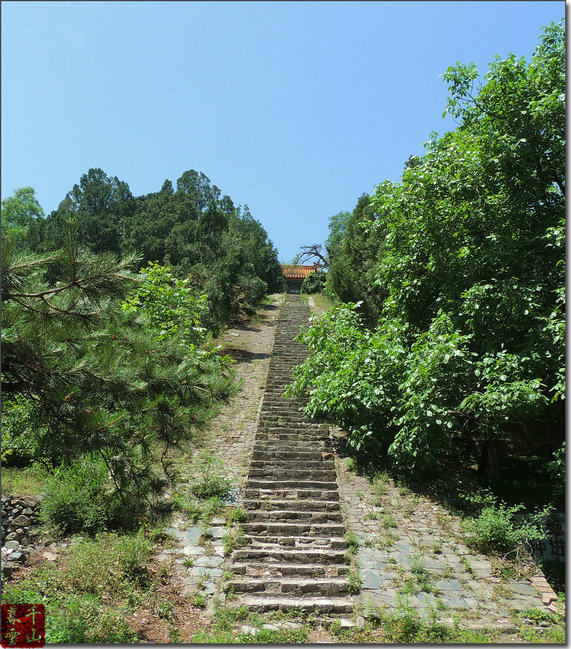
20,530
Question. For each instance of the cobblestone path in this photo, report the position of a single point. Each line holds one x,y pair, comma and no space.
295,553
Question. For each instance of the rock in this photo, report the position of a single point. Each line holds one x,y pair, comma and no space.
21,521
547,598
12,537
360,622
18,556
12,545
7,570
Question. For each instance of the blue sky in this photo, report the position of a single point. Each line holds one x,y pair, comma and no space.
293,108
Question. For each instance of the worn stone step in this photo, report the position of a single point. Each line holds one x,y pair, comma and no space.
307,528
285,432
291,505
286,454
294,515
277,554
297,473
314,462
318,586
321,485
321,605
263,443
261,569
293,494
299,542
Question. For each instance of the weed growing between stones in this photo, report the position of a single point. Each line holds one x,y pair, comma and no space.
232,540
354,580
405,627
197,509
388,521
239,626
352,543
211,480
380,482
236,516
538,626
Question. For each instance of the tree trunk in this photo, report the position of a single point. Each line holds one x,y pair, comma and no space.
489,459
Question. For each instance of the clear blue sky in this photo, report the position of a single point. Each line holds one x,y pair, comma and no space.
293,108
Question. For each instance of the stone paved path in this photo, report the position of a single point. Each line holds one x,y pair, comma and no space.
410,549
301,502
295,551
411,553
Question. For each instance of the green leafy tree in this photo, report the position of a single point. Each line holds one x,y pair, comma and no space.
120,387
467,253
21,214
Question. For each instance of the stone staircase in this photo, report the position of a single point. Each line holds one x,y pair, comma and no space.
295,552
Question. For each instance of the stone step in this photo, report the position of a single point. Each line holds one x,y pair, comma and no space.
323,605
318,586
294,515
291,505
275,554
289,541
280,462
296,473
284,432
306,528
262,570
285,454
290,494
321,485
280,445
309,440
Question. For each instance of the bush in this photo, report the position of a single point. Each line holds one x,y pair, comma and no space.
314,283
496,529
76,499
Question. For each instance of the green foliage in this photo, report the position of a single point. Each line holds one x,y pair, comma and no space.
217,248
170,306
497,529
86,380
451,336
21,214
354,581
314,283
109,564
76,498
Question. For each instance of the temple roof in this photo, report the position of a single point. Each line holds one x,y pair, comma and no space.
291,271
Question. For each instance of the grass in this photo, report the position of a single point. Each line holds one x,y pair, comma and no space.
404,627
27,481
87,598
322,302
388,521
222,629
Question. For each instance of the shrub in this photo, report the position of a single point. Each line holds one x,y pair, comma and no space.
314,283
76,500
496,528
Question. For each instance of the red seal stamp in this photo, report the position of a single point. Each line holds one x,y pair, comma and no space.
23,625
